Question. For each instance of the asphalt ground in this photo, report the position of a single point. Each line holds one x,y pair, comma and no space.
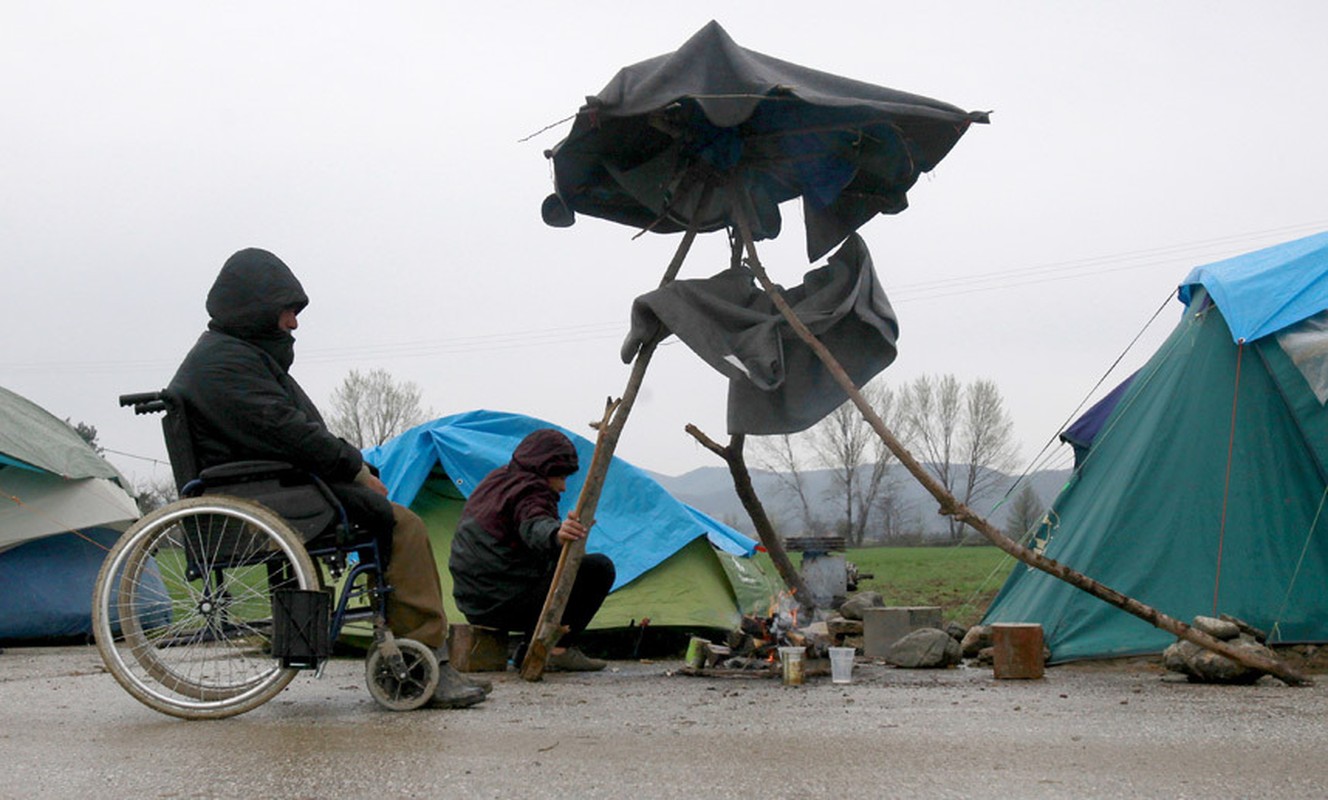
642,730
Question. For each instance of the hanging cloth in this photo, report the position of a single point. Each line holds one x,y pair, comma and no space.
777,384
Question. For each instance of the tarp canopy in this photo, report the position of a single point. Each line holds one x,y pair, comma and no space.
641,149
1268,290
1203,490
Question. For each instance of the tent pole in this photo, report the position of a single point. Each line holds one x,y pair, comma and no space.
950,505
550,629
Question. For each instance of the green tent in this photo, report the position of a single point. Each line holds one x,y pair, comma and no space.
698,587
1204,488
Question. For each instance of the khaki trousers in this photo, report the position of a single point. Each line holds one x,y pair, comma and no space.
415,604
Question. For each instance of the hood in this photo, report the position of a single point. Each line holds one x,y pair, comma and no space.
547,453
250,292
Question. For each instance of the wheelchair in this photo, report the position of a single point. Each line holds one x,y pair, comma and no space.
209,606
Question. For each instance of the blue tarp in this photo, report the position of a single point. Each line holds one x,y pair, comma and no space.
1267,290
638,524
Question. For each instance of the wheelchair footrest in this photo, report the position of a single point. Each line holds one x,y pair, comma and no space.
301,627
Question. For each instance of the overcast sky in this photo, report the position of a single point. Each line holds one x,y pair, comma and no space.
376,147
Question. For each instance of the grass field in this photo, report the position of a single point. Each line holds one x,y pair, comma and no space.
961,580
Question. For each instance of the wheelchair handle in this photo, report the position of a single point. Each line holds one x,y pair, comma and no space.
145,402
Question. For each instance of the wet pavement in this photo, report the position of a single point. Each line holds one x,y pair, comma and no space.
640,730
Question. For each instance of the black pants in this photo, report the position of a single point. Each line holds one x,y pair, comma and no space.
592,584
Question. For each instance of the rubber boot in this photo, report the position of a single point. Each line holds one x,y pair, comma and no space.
454,691
485,685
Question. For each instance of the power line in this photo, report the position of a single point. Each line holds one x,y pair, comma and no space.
901,295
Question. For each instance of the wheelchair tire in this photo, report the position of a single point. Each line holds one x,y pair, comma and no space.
393,693
182,610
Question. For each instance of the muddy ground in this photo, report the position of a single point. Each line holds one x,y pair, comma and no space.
640,730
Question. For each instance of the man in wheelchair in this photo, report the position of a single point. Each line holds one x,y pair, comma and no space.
242,404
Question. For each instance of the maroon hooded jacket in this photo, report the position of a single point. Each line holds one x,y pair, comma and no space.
506,544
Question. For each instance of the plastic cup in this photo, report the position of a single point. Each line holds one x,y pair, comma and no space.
841,664
790,659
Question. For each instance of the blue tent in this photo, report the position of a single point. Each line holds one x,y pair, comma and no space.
61,505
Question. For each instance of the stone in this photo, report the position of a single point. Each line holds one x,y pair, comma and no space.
854,606
975,640
1201,665
984,657
1246,628
927,648
1217,628
839,626
956,631
882,627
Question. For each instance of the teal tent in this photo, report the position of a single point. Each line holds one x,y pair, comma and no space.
1203,490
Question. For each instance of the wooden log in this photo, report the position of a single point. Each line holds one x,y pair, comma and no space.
550,628
1017,651
474,648
950,505
765,530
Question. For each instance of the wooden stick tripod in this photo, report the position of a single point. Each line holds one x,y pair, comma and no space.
549,628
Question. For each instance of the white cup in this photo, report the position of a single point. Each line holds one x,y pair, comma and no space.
841,664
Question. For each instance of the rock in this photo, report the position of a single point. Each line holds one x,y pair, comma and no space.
1217,628
956,631
1176,657
984,658
852,608
1204,666
977,637
838,626
1246,628
927,648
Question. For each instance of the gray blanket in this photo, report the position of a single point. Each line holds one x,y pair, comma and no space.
776,383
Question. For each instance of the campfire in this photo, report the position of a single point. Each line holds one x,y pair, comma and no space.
753,647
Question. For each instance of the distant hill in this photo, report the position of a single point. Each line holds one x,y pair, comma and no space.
710,489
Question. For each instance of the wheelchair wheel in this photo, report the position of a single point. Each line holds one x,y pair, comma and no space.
182,610
392,692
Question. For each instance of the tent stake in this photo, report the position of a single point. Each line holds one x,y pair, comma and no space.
550,629
950,505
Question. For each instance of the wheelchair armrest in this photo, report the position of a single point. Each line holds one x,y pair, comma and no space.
242,471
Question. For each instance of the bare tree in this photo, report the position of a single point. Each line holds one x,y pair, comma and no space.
964,433
779,456
370,408
857,459
153,493
1026,511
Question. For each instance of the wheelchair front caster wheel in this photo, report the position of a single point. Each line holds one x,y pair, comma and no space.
394,692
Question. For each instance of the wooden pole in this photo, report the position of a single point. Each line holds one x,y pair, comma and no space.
550,629
770,539
950,505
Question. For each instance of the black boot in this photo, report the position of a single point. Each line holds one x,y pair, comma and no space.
454,691
484,684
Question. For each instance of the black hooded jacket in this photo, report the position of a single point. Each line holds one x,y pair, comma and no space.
506,544
242,403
